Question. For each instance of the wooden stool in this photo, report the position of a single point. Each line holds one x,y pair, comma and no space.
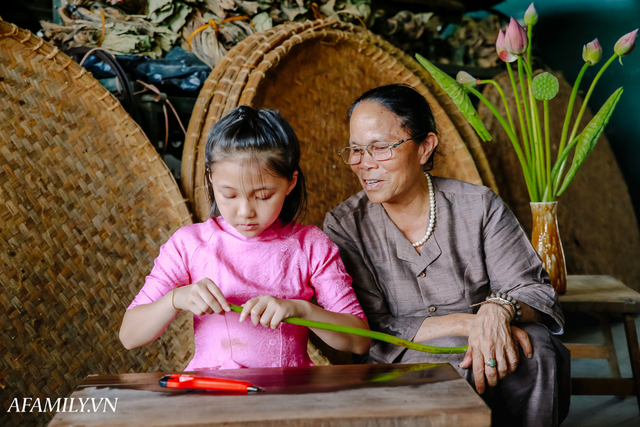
602,295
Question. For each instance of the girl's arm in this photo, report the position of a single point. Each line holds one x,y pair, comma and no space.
144,323
270,311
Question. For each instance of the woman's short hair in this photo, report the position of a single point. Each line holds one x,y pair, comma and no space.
409,105
266,137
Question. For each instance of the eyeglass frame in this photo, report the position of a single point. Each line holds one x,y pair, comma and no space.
366,148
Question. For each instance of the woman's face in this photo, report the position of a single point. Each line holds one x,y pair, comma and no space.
388,181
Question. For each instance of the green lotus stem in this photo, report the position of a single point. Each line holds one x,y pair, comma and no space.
567,118
537,136
581,113
526,111
365,333
537,131
525,140
548,150
534,131
532,181
504,100
512,136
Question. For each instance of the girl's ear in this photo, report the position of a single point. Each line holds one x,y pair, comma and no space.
427,147
293,182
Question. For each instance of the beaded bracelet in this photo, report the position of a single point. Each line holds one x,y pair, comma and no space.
506,299
499,304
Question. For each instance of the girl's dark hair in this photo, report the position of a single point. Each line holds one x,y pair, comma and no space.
267,137
409,105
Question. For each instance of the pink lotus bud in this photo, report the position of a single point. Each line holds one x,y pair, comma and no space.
502,51
624,46
466,79
515,38
592,52
531,16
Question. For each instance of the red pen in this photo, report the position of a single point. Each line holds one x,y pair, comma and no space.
205,383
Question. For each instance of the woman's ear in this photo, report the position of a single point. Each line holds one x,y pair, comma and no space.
293,182
427,147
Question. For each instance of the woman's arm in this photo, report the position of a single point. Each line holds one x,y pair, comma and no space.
451,324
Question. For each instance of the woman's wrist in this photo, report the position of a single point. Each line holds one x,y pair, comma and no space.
496,309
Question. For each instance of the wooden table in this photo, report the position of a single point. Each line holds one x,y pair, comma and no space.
602,295
340,395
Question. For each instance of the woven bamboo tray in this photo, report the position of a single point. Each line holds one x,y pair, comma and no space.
86,204
596,219
311,72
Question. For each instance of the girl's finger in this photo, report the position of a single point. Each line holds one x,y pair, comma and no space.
218,295
267,315
209,300
278,317
257,310
246,308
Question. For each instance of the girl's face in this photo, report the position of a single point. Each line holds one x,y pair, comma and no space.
249,197
387,181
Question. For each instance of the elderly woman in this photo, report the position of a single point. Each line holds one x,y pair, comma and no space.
424,251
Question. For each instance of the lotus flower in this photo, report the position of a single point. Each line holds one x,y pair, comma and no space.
624,46
466,79
502,51
592,52
531,16
515,38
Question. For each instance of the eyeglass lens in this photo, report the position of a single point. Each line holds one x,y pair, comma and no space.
378,151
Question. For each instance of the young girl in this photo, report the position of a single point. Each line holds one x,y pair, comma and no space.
253,254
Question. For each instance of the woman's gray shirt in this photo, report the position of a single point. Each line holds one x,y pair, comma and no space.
477,247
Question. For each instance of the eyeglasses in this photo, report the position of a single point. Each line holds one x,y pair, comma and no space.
378,151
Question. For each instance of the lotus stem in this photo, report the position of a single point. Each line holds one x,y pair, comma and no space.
580,114
523,129
512,136
567,118
547,191
365,333
504,100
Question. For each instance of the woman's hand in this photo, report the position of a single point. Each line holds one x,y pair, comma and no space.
270,311
202,297
491,337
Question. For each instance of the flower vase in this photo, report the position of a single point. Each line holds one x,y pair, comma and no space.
546,240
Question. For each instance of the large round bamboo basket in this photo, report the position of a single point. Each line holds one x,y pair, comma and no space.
311,72
596,220
86,204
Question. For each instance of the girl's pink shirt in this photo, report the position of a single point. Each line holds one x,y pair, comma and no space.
290,262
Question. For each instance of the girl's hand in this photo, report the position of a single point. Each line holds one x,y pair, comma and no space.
491,337
202,297
270,311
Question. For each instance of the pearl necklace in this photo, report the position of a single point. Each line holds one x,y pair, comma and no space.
432,214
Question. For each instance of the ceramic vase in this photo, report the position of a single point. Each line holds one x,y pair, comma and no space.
546,240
